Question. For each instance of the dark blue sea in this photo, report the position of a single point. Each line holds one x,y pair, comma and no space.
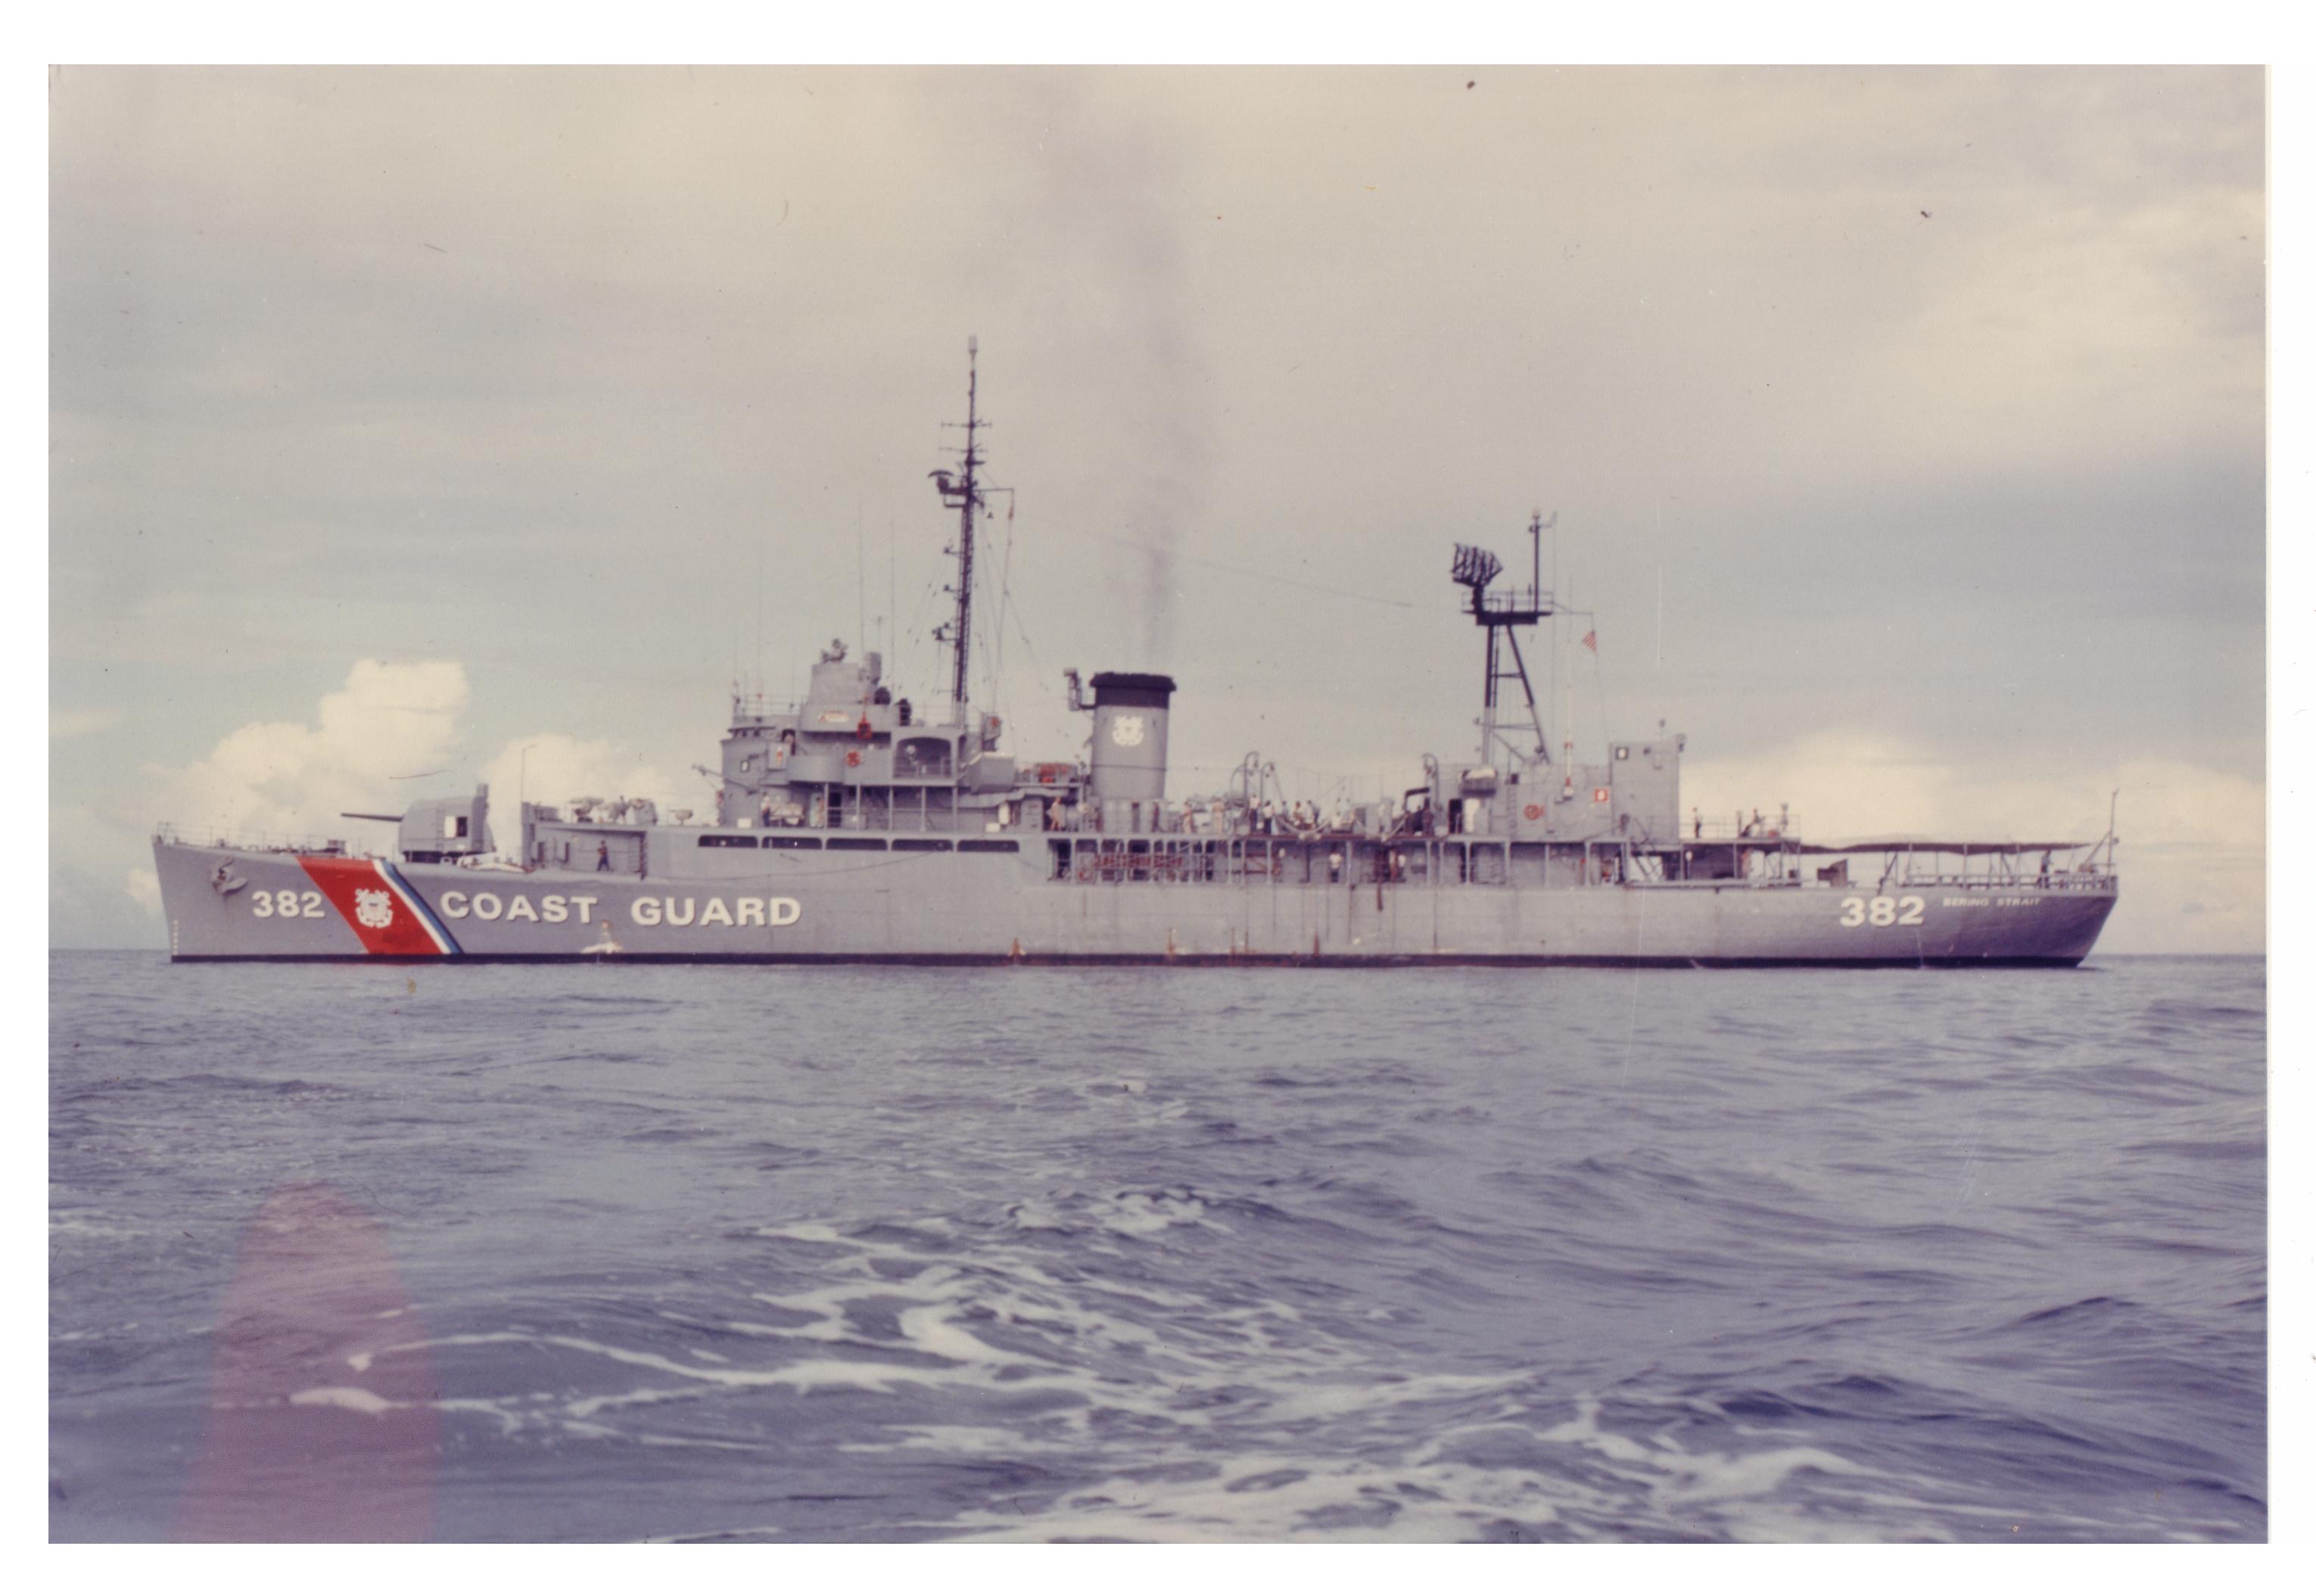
606,1254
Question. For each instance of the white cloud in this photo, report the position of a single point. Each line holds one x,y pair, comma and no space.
389,721
559,768
2193,848
145,887
389,724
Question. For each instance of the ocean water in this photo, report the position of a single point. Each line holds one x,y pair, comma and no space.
825,1254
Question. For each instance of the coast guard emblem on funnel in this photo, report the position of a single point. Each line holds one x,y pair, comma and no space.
1126,731
374,909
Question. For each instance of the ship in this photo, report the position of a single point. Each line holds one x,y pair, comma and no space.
848,828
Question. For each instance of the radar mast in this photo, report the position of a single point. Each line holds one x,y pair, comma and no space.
963,491
1500,612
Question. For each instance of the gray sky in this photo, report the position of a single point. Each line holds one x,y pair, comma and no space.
1905,427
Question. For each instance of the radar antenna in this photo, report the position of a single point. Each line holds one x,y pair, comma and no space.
1474,569
963,491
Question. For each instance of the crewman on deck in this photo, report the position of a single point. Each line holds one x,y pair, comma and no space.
602,855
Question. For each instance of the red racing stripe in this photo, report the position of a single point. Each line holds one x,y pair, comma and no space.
368,903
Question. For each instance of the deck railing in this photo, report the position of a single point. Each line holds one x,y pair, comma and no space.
2099,880
243,841
1771,829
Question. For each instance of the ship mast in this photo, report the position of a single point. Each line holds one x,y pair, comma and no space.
963,492
1499,613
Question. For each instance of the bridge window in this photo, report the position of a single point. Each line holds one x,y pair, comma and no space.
725,840
921,758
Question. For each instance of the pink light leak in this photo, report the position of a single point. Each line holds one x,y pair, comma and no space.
317,1428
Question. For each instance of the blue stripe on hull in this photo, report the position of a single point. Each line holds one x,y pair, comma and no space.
442,932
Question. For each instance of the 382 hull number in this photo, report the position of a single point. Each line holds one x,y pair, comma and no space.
1882,911
286,904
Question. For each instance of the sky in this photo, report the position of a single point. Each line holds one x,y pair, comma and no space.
1904,428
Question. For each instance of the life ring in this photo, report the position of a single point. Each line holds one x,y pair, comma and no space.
1533,811
852,756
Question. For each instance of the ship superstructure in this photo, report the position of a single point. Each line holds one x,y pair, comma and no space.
848,826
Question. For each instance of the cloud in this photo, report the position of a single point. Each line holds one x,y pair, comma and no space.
559,768
2192,839
390,734
389,722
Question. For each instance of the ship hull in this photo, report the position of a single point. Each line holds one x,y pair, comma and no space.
951,908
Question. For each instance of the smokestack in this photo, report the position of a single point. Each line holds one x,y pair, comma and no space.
1129,734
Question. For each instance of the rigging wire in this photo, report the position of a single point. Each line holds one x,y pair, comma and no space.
1007,608
993,666
1023,633
1601,697
916,632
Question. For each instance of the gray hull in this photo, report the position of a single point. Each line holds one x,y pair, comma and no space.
1003,908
